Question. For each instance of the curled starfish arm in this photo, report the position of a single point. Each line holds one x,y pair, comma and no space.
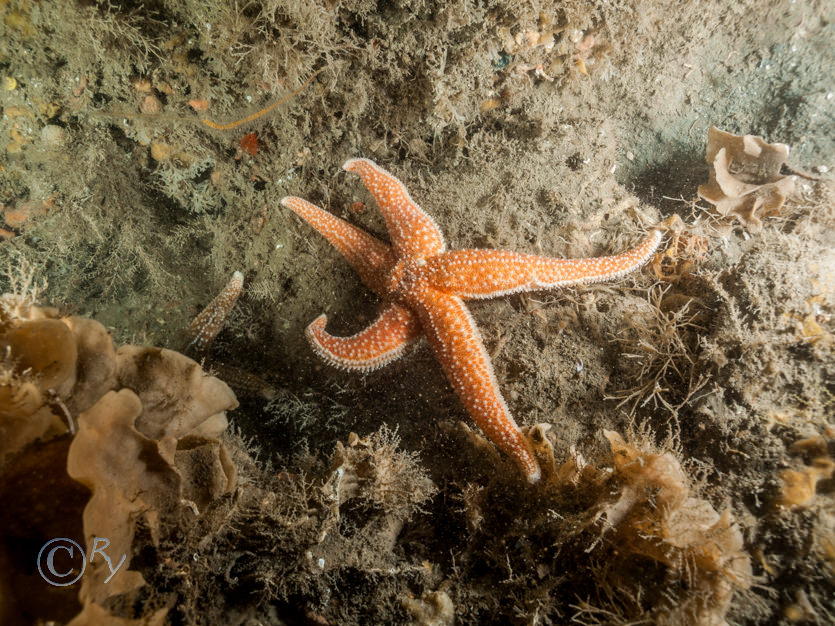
489,273
412,231
454,337
370,257
378,345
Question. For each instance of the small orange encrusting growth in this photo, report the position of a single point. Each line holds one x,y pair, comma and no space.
249,144
199,104
21,216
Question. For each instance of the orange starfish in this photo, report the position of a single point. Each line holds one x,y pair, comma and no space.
423,287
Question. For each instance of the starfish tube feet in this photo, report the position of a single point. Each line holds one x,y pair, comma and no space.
378,345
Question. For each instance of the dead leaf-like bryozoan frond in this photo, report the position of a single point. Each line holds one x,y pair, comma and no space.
129,481
44,350
746,182
146,447
178,397
38,364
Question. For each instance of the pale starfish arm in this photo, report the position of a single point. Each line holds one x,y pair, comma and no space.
412,231
372,258
379,344
208,323
489,273
454,337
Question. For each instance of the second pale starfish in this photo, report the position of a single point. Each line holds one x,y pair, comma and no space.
423,287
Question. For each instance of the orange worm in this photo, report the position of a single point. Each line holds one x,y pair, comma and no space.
264,111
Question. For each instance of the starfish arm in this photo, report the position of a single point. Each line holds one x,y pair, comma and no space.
489,273
208,323
378,345
454,337
371,258
412,231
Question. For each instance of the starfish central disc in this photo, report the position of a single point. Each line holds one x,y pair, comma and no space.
423,287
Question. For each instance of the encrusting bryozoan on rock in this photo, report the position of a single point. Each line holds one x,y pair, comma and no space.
138,427
746,182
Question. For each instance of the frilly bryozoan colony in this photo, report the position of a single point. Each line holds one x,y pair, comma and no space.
746,182
138,427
